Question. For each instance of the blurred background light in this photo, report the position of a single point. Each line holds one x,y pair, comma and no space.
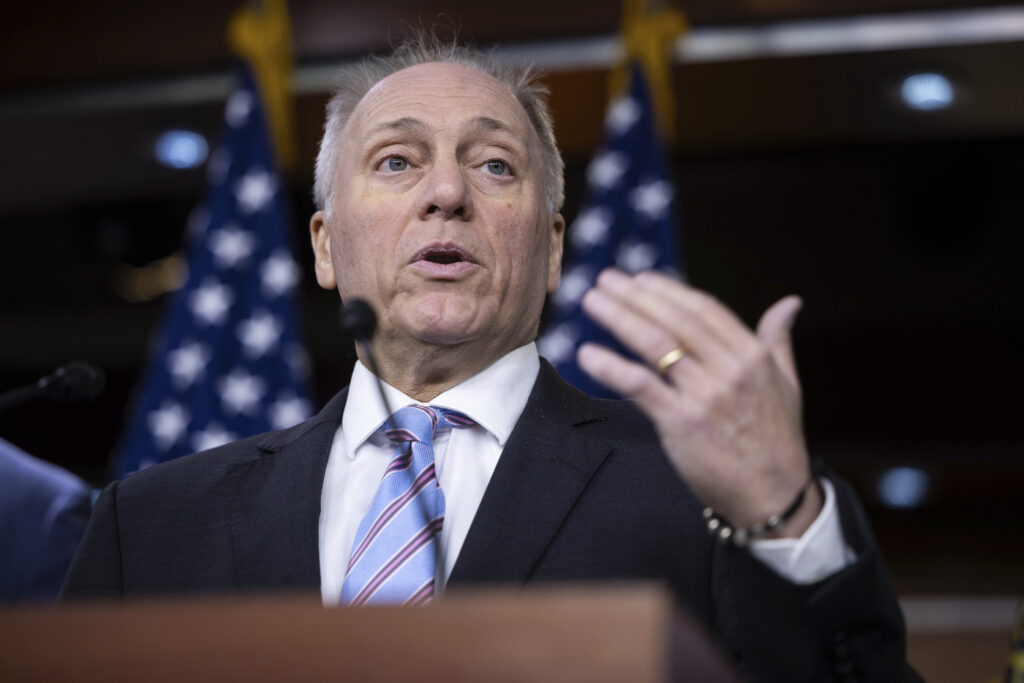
903,487
181,149
927,91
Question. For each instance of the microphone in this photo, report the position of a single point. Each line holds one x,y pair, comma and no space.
359,320
72,382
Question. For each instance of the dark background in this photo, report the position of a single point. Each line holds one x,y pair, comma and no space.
900,229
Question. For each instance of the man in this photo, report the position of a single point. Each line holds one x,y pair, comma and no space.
439,184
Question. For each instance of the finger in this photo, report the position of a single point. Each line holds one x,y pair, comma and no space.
689,330
717,317
627,377
684,329
774,330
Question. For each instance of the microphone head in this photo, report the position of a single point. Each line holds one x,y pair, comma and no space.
358,319
74,382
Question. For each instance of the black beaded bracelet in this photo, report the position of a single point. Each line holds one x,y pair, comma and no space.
720,527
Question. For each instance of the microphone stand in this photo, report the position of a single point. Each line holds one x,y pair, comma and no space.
359,320
73,382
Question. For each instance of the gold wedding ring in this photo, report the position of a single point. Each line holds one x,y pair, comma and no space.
669,359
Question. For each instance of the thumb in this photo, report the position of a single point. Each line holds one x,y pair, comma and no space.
774,331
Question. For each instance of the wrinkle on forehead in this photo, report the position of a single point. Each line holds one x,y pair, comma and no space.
405,123
423,83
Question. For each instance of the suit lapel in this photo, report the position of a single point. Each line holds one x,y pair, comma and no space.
274,504
543,469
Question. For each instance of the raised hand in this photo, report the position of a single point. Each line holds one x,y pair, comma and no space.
728,409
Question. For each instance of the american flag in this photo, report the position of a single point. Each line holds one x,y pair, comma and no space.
627,222
228,362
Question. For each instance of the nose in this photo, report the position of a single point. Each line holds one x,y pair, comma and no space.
446,193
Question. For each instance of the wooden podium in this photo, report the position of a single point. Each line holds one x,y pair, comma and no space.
619,634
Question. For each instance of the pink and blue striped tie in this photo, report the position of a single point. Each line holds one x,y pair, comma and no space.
394,555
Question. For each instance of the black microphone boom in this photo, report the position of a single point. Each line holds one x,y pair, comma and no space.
359,320
71,382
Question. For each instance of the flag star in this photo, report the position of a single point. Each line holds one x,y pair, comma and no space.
607,169
238,108
241,392
187,363
652,198
168,424
636,256
218,166
288,410
259,333
278,274
622,114
591,227
255,190
212,436
574,284
558,344
211,301
231,245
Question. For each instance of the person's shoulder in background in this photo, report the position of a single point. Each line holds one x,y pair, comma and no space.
43,513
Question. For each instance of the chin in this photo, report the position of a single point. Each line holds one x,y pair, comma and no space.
443,337
443,325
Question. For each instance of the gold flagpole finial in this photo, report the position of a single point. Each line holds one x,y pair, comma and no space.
648,37
262,36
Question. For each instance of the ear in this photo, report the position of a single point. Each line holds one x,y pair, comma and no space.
557,238
320,236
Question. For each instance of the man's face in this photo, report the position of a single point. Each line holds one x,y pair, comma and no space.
438,216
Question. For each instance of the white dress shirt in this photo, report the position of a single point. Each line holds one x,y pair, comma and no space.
465,459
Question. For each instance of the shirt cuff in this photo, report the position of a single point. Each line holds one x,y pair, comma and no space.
818,554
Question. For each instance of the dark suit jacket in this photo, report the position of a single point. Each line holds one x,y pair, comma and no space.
581,492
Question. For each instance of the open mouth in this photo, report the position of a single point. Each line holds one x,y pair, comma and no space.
442,255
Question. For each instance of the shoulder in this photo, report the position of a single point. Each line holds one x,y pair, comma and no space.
196,471
195,468
617,420
28,483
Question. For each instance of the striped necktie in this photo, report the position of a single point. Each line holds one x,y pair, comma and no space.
394,555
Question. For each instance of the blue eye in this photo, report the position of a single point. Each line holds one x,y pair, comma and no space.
497,167
395,164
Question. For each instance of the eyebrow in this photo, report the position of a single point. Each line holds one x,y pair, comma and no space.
486,123
406,123
411,125
479,126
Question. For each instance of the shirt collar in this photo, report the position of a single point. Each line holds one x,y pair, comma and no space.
494,397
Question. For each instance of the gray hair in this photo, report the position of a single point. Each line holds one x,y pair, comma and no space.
355,80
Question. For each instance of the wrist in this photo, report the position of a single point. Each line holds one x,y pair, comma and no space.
791,522
803,518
